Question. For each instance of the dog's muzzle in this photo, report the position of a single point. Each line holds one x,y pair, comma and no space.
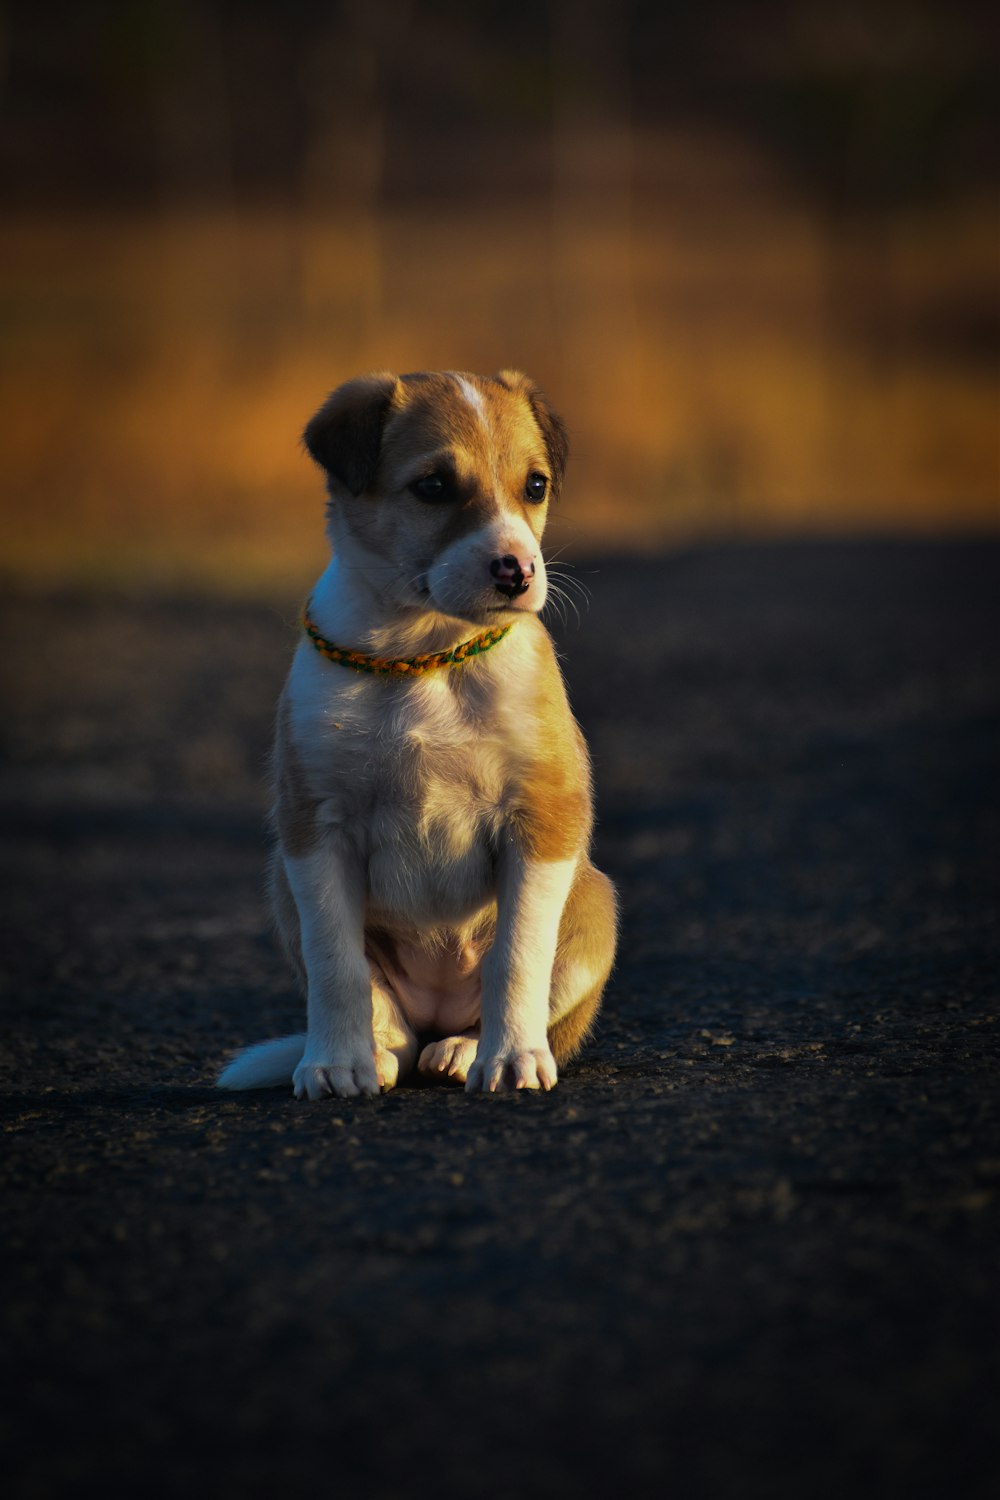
512,575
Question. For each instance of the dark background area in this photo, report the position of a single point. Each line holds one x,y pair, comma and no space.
130,102
747,1247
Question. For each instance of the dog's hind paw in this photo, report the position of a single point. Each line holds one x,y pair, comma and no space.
509,1069
449,1059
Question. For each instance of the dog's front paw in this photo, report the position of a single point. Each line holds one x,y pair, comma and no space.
449,1059
500,1069
344,1075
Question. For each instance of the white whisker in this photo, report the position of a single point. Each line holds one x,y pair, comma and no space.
562,602
569,585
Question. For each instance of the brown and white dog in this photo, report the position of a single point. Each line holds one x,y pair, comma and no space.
431,878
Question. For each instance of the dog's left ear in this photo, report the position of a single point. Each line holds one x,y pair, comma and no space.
551,427
345,435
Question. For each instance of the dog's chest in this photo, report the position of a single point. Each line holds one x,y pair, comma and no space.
416,779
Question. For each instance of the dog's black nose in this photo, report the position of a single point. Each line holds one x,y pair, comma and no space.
512,575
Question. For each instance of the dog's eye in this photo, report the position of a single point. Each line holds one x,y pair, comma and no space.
536,488
431,487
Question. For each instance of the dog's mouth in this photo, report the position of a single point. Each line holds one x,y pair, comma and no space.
477,610
483,613
511,608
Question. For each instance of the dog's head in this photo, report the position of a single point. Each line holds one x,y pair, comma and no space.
439,488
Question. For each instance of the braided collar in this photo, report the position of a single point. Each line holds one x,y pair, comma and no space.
410,666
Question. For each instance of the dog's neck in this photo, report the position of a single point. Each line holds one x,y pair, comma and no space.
348,607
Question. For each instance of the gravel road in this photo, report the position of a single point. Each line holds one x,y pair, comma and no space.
748,1248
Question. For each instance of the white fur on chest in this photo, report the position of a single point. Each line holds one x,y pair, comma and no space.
413,777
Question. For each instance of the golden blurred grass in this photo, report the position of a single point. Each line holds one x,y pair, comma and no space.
734,369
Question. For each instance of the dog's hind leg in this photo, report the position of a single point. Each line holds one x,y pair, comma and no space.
584,956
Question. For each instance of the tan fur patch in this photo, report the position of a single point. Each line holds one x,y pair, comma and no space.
568,1035
551,816
553,809
584,956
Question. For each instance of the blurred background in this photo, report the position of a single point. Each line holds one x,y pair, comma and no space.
751,251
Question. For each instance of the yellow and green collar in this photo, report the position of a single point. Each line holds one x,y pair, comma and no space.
410,666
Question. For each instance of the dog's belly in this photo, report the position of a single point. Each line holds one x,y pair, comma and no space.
438,988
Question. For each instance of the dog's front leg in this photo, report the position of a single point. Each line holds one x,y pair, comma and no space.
329,893
514,1052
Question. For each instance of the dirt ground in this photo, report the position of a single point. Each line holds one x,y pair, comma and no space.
748,1248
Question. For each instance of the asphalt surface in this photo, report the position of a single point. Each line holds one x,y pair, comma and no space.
749,1246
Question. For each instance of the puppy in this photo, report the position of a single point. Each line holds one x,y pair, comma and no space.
431,880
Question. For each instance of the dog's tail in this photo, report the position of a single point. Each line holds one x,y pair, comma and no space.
265,1065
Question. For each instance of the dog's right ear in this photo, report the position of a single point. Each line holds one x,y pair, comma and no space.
345,435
